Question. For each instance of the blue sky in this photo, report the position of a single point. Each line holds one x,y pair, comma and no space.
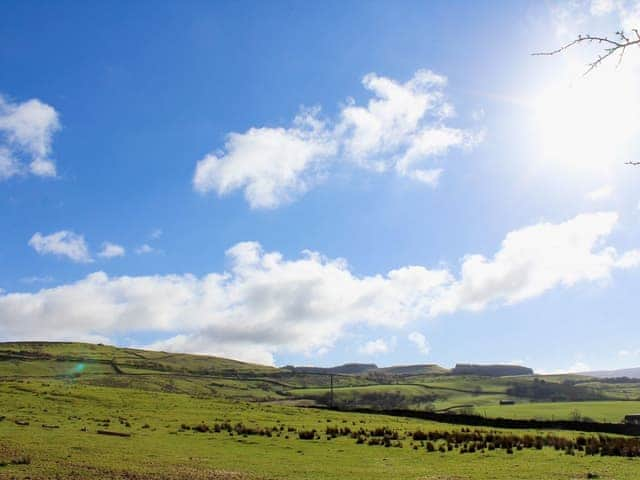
349,181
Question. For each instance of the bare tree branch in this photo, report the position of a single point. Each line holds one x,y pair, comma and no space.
610,47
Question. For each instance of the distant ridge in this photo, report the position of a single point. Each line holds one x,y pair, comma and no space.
625,372
346,369
362,368
420,369
490,370
123,357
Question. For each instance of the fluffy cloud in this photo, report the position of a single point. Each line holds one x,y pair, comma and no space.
9,166
63,243
111,250
270,164
420,341
265,304
377,347
538,258
394,114
26,132
401,128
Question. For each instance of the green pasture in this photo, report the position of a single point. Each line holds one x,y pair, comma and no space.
607,411
160,448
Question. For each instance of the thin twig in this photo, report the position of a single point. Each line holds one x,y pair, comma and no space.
610,47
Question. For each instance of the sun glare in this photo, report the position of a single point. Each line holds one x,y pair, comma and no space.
589,123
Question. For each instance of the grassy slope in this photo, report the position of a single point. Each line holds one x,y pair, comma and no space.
134,358
66,384
164,451
223,378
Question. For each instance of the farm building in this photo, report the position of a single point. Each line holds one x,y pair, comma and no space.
507,402
632,419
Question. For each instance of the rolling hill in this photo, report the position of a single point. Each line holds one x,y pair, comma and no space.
355,385
626,372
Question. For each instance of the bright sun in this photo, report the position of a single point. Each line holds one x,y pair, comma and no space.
588,124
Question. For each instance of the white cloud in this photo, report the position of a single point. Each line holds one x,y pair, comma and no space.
265,304
271,165
63,243
9,166
111,250
394,114
420,341
578,366
401,129
433,142
376,347
402,126
429,176
602,193
156,233
26,133
538,258
144,249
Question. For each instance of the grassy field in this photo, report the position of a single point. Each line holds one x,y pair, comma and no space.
416,395
607,411
57,424
54,398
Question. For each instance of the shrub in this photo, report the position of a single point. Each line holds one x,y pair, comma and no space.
203,428
419,435
307,434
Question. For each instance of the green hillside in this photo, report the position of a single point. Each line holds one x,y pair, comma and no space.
128,358
414,386
77,410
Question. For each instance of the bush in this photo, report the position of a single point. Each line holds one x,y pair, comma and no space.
419,435
203,428
307,434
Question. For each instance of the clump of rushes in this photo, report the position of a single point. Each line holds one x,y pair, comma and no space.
307,434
